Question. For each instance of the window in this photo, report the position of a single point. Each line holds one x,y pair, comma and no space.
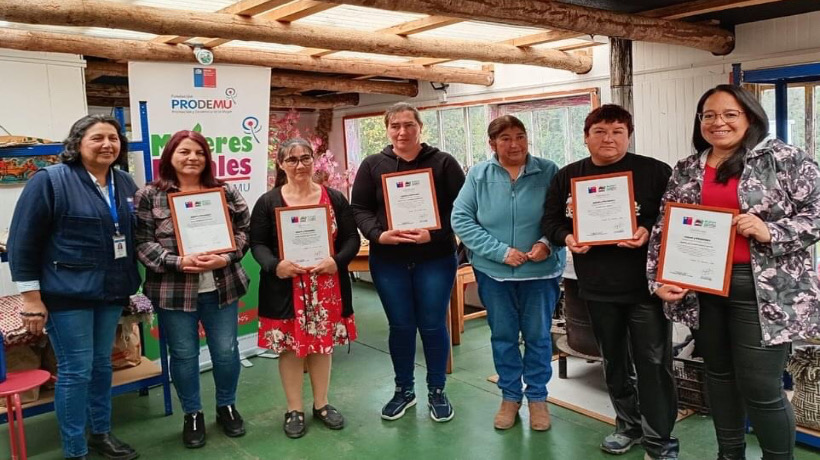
555,128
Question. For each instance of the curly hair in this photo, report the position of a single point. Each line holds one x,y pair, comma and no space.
71,144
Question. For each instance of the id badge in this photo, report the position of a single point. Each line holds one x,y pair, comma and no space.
120,248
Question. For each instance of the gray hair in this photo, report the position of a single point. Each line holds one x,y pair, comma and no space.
71,144
291,144
401,107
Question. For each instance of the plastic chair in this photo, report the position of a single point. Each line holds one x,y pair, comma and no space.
16,383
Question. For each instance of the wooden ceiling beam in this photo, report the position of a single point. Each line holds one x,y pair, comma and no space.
698,7
404,29
565,16
138,50
161,21
285,79
304,82
307,102
241,8
276,102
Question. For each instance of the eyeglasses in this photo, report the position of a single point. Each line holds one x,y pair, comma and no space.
306,160
729,116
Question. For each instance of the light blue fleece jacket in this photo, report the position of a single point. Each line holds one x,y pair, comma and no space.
492,213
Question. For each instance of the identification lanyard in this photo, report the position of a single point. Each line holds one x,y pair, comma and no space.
112,203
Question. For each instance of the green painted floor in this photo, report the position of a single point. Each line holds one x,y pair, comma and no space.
362,381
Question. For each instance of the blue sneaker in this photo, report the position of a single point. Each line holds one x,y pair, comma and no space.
440,408
401,401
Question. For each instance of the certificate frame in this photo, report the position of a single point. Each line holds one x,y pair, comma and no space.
386,189
181,243
727,269
293,211
577,182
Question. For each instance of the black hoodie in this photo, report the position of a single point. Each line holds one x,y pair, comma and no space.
367,200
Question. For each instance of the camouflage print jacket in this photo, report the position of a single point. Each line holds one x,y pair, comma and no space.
781,185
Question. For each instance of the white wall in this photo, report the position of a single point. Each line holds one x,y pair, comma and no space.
42,94
669,80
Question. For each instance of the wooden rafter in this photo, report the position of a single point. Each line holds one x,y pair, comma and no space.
279,78
161,21
325,102
695,8
118,99
241,8
285,14
138,50
565,16
404,29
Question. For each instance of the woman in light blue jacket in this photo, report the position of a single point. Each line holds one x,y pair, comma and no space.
497,215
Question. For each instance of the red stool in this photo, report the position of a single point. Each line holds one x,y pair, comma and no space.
16,383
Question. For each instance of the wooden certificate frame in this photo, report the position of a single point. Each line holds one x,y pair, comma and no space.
386,191
285,211
181,246
727,270
577,181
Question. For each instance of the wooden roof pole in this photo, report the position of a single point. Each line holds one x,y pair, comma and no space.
162,21
137,50
559,15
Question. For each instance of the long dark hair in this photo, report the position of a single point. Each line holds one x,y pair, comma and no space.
71,144
168,175
757,131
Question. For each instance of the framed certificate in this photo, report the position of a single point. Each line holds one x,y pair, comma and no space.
410,200
201,222
697,246
304,234
603,209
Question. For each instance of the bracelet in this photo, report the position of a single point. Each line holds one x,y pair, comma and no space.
27,314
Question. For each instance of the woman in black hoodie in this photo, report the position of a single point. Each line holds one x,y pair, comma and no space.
413,270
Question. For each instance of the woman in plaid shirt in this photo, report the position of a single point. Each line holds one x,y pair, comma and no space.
195,288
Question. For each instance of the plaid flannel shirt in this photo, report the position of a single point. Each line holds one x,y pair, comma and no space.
166,284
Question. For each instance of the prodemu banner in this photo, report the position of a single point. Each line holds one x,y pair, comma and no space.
229,105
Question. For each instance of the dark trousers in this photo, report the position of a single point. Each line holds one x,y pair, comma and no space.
415,297
743,376
636,339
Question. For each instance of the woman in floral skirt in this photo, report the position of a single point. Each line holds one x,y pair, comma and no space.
304,311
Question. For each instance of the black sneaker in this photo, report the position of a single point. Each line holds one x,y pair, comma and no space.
193,430
107,445
401,401
440,408
231,421
295,424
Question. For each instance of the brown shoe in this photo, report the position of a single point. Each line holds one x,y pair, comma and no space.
506,415
539,416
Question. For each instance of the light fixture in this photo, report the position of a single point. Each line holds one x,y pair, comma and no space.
442,91
203,55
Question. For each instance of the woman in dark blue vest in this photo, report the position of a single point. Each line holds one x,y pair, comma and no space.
72,255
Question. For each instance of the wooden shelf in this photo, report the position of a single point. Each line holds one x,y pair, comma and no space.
146,369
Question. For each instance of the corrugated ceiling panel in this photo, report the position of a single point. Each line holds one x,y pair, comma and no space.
480,31
279,48
358,18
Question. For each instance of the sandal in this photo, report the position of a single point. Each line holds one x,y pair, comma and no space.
330,416
295,424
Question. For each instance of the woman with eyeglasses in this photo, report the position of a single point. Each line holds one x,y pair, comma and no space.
304,311
774,296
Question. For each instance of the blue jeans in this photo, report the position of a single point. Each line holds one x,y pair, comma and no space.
523,307
182,333
416,296
82,340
